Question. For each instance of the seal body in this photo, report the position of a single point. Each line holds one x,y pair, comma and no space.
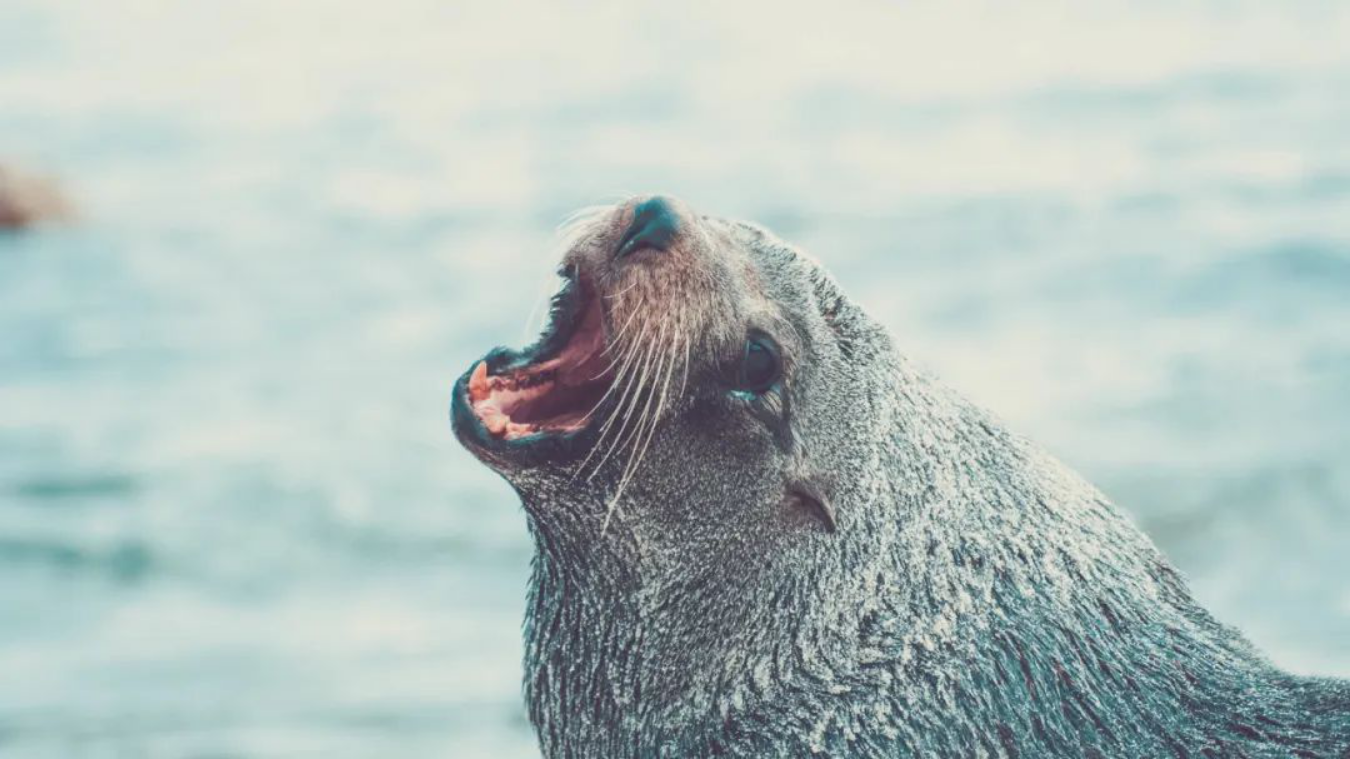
761,532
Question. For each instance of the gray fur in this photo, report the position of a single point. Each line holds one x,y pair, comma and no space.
975,599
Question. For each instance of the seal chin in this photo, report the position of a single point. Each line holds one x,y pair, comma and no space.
540,400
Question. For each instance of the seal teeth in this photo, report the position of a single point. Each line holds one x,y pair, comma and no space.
478,383
496,421
512,397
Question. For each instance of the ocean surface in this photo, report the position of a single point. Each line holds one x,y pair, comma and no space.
233,519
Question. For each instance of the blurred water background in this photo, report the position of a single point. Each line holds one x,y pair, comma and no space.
233,520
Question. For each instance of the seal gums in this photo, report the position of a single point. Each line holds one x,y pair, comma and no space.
554,395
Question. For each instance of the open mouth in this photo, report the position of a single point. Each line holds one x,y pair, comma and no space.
548,390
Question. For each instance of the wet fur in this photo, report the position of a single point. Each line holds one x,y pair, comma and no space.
972,597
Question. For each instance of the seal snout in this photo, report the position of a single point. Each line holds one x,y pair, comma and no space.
656,225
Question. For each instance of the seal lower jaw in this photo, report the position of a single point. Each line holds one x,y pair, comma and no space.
546,393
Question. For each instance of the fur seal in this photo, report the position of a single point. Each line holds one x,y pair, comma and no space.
26,200
761,532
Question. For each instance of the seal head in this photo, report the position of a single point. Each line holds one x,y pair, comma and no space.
665,322
761,532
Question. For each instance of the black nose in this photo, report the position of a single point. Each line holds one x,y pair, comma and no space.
655,225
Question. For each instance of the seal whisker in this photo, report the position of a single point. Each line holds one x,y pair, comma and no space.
618,336
626,374
649,417
652,421
620,361
631,382
532,320
660,357
613,504
571,225
609,391
627,353
684,380
614,296
605,429
648,420
623,377
642,376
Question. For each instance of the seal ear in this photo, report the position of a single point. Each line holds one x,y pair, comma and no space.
805,499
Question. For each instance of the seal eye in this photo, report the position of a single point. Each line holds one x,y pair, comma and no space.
760,367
